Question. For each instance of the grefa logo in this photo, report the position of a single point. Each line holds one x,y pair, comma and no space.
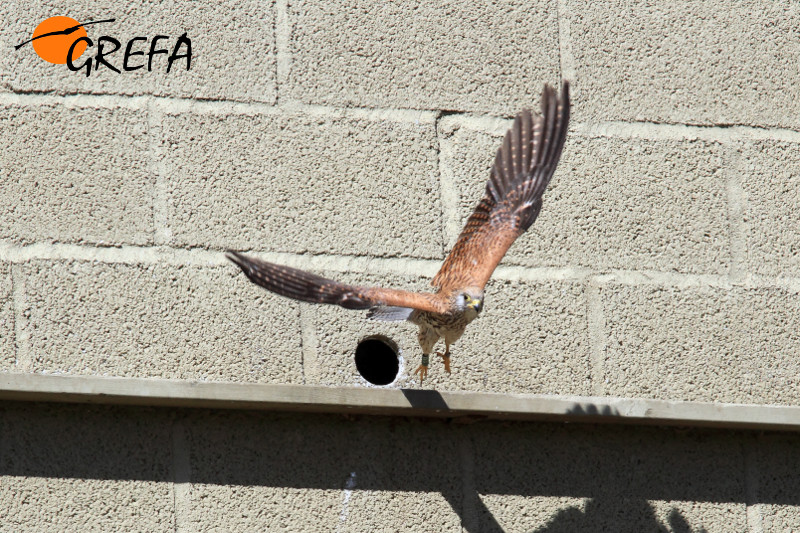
63,40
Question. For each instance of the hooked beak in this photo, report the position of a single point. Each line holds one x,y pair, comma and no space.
476,304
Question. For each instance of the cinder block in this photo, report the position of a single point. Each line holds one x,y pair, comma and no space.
465,55
303,183
7,337
685,62
80,468
770,180
233,49
702,344
313,473
776,484
338,331
614,202
75,174
531,337
184,322
577,478
514,513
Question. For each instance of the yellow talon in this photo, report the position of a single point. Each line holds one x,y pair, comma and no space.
422,370
446,359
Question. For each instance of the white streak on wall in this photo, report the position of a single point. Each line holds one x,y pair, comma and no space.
349,485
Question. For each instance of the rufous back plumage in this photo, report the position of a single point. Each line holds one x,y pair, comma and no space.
522,169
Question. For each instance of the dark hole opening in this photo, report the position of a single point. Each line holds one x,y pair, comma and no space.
376,360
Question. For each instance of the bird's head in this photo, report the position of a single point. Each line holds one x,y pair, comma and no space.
470,301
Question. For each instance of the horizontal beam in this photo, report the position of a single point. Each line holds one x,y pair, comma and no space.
466,406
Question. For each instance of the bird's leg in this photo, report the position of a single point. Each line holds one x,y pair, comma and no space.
445,357
422,369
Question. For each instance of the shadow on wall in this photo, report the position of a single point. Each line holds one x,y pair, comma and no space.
609,515
604,512
563,477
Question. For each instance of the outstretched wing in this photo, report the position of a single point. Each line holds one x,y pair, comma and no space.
307,287
522,170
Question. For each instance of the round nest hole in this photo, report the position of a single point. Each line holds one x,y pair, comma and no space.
376,360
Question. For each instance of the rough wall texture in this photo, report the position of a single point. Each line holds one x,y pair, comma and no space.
353,139
83,468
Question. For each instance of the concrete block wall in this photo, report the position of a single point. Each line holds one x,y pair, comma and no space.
85,468
353,139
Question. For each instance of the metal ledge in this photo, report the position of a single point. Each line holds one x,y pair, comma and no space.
465,406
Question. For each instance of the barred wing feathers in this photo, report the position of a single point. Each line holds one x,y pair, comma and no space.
304,286
523,167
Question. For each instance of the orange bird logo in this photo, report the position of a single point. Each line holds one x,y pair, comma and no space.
54,36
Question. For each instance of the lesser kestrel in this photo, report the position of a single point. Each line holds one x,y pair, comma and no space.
521,172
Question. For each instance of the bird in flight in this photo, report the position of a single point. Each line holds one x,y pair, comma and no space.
521,172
